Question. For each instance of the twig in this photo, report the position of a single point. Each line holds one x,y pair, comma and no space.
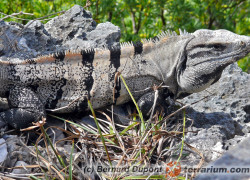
16,14
143,138
48,164
19,176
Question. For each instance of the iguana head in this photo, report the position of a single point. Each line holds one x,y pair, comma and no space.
206,55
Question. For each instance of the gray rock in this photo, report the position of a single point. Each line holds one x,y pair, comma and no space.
77,30
233,160
16,151
231,96
23,42
105,34
222,119
12,142
74,23
3,150
37,38
21,170
9,38
73,30
87,120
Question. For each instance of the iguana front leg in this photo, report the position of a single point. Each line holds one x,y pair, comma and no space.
25,108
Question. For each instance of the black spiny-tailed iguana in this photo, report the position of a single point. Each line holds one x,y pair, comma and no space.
185,63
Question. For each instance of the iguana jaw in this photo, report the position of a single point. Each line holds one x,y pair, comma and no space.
207,55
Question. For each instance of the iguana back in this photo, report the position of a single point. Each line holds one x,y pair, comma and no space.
63,82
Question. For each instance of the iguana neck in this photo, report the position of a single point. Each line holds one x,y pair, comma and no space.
158,59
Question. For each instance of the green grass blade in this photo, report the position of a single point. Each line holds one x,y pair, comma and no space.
143,126
128,128
51,145
65,120
71,161
34,178
183,137
100,132
77,125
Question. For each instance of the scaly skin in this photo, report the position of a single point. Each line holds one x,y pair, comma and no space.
63,82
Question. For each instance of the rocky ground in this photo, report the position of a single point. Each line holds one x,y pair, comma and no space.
220,123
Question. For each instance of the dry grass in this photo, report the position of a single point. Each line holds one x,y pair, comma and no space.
159,141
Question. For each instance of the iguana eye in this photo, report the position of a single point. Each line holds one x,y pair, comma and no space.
242,43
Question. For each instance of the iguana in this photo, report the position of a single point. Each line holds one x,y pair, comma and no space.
62,82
